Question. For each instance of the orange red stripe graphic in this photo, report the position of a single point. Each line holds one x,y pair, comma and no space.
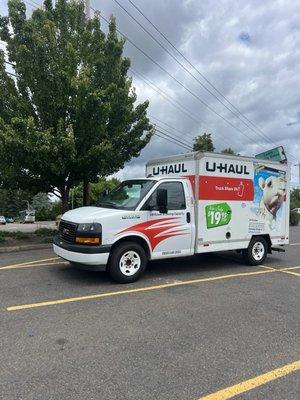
158,230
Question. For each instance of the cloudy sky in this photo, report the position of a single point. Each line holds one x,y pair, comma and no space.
249,50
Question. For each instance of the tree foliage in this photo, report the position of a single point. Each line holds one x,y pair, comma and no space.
295,198
70,114
203,143
13,201
228,150
97,190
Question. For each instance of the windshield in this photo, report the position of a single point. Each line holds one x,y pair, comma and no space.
127,195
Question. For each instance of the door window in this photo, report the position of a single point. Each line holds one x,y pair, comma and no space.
176,197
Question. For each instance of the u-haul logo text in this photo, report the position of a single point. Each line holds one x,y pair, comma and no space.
227,168
169,169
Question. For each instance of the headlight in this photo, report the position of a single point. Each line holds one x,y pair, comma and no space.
89,234
90,228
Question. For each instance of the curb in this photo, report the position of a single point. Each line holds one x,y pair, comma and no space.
25,247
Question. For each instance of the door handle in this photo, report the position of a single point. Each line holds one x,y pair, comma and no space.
188,217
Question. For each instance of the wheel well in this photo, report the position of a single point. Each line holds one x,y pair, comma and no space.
267,239
136,239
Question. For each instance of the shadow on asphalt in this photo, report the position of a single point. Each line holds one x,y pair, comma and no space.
171,268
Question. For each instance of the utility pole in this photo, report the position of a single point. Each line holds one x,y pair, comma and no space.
88,9
298,165
86,184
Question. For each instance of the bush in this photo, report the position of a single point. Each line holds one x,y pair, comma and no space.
2,237
44,214
294,218
18,235
45,232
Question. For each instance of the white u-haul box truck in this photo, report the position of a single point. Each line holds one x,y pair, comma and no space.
188,204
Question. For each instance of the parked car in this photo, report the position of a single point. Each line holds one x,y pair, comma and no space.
2,220
57,220
296,210
27,216
9,220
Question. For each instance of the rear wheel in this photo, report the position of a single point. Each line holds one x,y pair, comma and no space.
127,262
256,252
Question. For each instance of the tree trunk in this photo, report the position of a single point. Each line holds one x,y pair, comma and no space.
86,192
64,199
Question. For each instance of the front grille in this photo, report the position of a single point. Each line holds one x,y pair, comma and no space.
67,231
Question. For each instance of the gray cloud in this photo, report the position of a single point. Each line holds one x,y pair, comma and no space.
249,50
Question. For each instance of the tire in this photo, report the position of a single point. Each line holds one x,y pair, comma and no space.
127,262
257,251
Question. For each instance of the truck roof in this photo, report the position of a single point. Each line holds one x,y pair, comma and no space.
197,155
154,178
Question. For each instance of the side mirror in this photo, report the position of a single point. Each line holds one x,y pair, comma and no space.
162,200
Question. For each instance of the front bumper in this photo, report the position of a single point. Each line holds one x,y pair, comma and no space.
82,254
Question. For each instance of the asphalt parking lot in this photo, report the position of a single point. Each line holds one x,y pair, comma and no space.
206,327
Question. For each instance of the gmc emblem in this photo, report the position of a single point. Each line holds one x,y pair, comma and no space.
66,231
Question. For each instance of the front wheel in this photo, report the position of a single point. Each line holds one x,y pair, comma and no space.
257,251
127,262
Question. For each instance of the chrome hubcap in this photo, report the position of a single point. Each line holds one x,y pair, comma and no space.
258,251
130,263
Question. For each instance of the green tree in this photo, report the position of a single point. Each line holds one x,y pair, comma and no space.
96,191
203,143
295,198
41,200
70,114
228,150
13,201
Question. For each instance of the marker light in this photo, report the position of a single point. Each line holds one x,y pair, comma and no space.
87,240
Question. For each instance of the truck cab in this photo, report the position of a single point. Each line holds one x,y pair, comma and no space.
140,220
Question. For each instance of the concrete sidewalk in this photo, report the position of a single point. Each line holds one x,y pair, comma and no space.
28,228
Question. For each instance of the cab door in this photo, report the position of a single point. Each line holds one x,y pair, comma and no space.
171,234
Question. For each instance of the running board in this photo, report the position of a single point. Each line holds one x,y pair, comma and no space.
279,249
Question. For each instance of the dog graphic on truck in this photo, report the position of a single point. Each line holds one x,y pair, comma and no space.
270,195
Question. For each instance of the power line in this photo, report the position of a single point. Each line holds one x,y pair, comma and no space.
33,2
145,54
172,101
176,80
9,63
238,112
169,98
175,137
171,140
188,147
164,69
168,125
182,65
10,73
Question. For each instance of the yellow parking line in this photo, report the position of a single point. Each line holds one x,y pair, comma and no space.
34,265
284,270
253,383
288,268
266,267
136,290
291,273
13,266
